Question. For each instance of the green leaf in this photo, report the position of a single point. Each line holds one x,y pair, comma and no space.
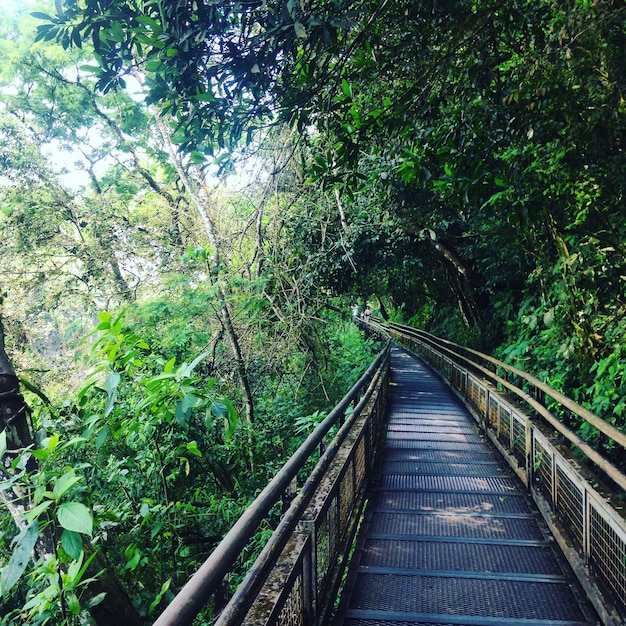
148,21
42,16
40,455
164,587
51,442
300,30
133,556
105,316
219,409
19,559
110,385
169,366
33,514
101,438
65,483
197,157
75,516
72,543
192,446
183,409
3,443
73,604
111,382
92,69
194,363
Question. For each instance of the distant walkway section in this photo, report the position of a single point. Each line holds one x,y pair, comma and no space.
450,537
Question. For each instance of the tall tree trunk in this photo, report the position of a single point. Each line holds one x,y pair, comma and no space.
222,292
461,281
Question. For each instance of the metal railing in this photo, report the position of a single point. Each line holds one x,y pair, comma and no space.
296,576
582,511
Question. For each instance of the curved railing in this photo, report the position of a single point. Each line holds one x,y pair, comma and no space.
577,499
297,573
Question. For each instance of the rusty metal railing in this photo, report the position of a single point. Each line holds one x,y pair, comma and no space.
577,498
295,578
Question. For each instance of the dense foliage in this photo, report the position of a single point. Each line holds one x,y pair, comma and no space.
456,165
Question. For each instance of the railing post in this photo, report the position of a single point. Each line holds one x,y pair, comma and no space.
289,494
307,585
311,567
586,538
485,413
221,596
530,461
499,421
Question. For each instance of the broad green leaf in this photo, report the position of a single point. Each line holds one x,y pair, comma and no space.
73,603
231,421
133,556
65,483
300,30
188,402
105,316
41,455
51,442
110,385
25,542
101,438
169,366
74,442
154,66
33,514
192,446
219,409
72,543
204,97
111,382
183,409
75,516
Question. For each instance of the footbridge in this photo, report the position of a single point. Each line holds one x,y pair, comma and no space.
443,489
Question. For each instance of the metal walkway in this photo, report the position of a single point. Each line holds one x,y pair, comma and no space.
450,537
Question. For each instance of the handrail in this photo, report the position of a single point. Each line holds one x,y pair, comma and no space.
236,608
609,430
603,426
194,596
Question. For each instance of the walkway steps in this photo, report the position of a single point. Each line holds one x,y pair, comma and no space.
449,536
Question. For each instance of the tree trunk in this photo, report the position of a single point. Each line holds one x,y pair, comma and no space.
13,407
216,261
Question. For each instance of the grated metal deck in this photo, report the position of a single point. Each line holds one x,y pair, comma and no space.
449,536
